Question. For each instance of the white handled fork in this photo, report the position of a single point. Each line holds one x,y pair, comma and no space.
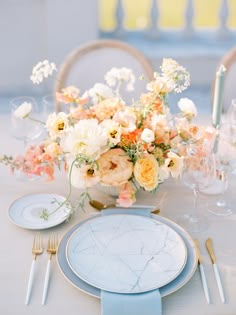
37,249
52,249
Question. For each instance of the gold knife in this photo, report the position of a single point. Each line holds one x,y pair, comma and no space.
202,272
209,246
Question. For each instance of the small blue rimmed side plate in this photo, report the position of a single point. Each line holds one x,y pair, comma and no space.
25,211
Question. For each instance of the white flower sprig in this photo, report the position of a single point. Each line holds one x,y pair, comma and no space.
117,76
176,73
23,110
43,69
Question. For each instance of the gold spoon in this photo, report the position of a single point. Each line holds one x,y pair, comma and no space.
100,206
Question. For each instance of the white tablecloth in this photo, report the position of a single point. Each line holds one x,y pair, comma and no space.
173,198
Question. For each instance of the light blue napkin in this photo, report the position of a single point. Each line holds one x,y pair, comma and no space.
148,303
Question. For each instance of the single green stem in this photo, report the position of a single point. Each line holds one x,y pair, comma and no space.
70,189
36,120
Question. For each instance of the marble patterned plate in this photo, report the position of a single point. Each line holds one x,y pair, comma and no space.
126,253
169,288
25,211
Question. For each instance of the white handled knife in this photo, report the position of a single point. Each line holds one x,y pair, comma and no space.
202,273
209,246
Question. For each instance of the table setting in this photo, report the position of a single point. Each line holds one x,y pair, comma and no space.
102,218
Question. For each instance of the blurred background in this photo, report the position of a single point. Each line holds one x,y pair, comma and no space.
197,33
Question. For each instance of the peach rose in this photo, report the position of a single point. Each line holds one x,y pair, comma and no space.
146,171
115,167
107,108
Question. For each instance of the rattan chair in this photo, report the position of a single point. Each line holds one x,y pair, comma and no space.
88,64
229,61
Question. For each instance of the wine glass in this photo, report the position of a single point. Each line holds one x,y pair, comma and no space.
225,157
198,172
28,128
231,112
48,106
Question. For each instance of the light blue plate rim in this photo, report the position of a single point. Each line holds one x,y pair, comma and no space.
171,287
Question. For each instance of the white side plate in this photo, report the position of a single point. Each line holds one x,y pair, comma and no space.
25,211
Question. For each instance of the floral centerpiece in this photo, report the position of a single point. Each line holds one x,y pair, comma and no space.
102,140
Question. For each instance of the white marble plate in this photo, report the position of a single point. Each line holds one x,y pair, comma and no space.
25,211
126,253
186,274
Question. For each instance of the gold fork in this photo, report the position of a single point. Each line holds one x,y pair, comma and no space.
37,249
52,249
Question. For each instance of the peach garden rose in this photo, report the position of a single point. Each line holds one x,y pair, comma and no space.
115,168
146,171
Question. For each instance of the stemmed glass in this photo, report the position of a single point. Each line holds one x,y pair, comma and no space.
231,112
198,172
25,129
225,158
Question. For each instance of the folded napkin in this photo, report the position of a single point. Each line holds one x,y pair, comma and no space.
147,303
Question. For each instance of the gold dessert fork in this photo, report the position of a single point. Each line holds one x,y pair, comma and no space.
37,249
51,249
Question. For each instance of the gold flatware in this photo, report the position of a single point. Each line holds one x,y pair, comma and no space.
37,249
209,246
100,206
51,249
156,211
202,272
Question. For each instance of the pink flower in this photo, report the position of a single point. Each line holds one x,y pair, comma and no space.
70,94
126,195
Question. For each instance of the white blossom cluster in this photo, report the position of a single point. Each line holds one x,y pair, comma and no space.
176,74
43,69
117,76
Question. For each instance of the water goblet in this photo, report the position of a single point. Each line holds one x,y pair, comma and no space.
231,112
224,163
198,172
28,128
48,105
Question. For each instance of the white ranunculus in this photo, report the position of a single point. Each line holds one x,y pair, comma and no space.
147,135
87,138
82,177
57,124
187,107
112,130
23,110
174,163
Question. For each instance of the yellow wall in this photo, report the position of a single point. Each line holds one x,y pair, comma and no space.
171,13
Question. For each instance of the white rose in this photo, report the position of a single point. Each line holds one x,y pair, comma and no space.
23,110
147,135
187,107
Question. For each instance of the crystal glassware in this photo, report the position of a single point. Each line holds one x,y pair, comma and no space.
28,128
198,173
225,157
